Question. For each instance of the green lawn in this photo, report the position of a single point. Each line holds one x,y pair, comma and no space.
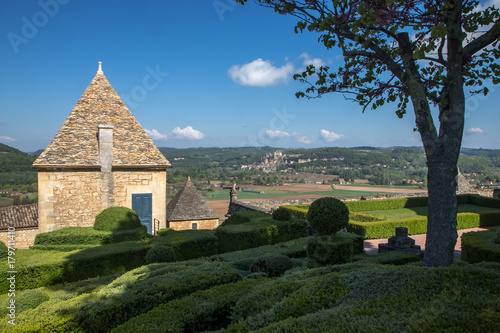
404,213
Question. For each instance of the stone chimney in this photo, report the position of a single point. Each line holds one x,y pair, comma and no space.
105,138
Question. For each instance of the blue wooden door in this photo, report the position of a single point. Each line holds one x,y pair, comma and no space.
142,204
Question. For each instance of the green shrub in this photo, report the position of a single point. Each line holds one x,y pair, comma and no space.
282,214
45,268
389,258
30,300
82,236
386,204
299,211
323,251
280,300
62,248
157,254
125,301
206,310
356,216
117,219
480,246
328,215
418,225
4,250
188,244
272,265
114,302
257,233
497,239
164,232
243,259
243,217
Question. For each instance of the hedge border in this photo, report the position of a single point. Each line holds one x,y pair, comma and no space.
480,246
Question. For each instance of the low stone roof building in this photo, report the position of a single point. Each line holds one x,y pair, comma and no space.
77,145
100,157
188,210
24,216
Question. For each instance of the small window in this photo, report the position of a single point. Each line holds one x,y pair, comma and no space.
194,226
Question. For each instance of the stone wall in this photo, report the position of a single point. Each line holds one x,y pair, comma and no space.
74,198
188,225
24,237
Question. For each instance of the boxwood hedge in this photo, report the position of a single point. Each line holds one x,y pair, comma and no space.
84,236
258,232
43,268
480,246
188,244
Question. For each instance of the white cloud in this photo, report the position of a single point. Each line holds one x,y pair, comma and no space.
7,139
260,73
317,62
156,135
474,130
303,139
330,136
485,4
274,135
187,133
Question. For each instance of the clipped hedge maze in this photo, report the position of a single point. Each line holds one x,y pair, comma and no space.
373,227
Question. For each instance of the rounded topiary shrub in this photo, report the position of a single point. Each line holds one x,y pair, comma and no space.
160,254
3,250
117,219
272,265
328,215
282,214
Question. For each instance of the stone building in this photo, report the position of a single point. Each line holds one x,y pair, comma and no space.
188,210
100,157
19,225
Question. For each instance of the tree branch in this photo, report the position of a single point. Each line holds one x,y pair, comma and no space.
484,40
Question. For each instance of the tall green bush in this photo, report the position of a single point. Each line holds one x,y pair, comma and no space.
328,215
117,219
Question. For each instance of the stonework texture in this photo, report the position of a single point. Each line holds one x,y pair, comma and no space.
24,237
74,198
188,225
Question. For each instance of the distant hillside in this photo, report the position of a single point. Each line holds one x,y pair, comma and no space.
15,167
14,160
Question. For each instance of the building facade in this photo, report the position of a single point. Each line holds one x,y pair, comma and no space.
100,157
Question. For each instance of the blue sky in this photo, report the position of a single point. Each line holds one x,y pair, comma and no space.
195,73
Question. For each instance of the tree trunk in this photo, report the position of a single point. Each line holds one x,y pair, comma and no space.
442,212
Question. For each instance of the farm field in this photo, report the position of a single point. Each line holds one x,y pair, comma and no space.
219,200
404,213
4,202
299,190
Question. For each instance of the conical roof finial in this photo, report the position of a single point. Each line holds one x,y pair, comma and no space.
189,179
99,71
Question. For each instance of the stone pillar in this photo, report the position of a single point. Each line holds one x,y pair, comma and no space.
105,137
496,193
233,194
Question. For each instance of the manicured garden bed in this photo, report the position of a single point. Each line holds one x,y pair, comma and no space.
374,219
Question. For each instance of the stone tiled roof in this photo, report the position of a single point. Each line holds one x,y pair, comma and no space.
25,216
189,205
76,143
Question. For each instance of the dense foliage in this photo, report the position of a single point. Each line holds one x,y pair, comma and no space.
117,219
328,215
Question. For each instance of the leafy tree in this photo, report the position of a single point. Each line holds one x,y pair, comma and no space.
419,52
